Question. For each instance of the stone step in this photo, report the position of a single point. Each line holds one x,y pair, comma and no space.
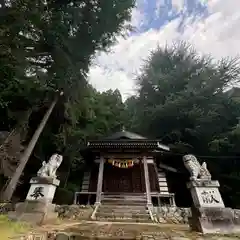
122,215
119,219
113,211
123,202
91,235
124,198
122,210
141,207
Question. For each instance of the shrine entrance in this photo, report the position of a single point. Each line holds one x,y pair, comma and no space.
124,166
123,180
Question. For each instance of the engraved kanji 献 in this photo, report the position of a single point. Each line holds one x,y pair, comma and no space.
208,197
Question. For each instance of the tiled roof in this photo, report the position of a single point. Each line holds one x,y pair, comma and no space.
125,140
127,144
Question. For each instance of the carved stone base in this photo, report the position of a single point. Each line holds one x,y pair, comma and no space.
35,212
38,207
205,193
213,220
42,189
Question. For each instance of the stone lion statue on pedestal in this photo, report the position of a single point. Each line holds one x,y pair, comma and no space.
48,170
196,170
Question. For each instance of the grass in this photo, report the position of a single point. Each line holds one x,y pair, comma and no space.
9,228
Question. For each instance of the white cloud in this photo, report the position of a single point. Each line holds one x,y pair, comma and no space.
138,18
218,34
159,4
178,4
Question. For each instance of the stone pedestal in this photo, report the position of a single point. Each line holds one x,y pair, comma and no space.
205,193
38,207
212,220
209,214
42,189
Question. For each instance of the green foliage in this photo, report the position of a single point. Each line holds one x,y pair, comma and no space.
182,100
101,114
64,196
49,45
9,229
182,97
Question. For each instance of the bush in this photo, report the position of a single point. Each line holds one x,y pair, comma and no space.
63,196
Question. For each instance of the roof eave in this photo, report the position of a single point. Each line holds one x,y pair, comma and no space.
164,147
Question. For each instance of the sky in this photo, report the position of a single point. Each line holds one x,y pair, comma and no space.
211,26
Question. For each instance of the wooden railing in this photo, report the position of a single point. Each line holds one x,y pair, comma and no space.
77,194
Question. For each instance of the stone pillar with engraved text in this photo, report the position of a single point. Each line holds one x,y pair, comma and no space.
38,207
209,214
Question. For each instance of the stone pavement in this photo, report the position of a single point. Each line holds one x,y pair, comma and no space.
109,231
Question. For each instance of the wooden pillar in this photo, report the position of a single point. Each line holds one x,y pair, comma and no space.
75,198
100,180
146,176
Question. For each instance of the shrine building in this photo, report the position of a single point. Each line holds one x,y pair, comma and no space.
124,165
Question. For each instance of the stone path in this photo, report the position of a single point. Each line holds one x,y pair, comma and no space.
106,230
130,231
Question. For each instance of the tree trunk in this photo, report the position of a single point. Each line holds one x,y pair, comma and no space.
7,194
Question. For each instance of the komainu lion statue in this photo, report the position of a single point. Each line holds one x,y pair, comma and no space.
48,170
196,170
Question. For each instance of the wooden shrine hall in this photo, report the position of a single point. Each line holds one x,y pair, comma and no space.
123,166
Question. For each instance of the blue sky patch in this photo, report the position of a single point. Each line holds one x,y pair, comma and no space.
158,13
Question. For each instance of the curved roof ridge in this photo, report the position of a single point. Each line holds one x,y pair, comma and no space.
124,134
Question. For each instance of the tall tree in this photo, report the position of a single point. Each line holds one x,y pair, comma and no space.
182,100
182,97
101,114
49,45
59,38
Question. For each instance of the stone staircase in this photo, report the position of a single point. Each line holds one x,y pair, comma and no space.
122,208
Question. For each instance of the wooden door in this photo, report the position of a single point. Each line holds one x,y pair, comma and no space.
122,180
117,179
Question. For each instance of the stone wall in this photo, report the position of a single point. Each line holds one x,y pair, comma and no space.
174,215
177,215
236,213
75,212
